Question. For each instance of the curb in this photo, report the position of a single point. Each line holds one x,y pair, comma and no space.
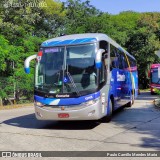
15,106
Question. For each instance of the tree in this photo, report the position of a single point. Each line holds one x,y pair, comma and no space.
24,25
40,18
142,44
122,26
78,15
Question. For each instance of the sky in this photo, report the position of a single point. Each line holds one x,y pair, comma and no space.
117,6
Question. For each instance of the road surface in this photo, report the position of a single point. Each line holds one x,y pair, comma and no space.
131,129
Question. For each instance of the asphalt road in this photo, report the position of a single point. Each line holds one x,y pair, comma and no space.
131,129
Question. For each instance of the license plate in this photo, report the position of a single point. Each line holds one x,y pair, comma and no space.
63,115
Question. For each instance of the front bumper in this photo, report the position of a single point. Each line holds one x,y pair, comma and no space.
92,112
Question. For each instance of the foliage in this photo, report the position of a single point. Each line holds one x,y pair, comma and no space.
157,91
23,28
77,16
143,43
123,25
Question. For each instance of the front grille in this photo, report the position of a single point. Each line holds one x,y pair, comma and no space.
66,108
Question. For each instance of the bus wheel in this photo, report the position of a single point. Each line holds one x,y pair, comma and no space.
108,117
132,99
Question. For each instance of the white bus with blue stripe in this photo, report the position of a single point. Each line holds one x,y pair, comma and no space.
82,77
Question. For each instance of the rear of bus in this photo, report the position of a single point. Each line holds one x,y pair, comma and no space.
154,75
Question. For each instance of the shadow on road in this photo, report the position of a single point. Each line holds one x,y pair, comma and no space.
147,96
142,126
142,119
29,121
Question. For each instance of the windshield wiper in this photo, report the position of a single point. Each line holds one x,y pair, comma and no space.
73,83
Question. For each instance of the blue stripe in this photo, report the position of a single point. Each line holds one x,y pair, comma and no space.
98,64
76,41
88,40
67,42
27,70
67,101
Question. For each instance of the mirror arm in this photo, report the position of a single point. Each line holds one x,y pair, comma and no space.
27,63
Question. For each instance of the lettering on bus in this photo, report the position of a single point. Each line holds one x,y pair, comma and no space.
120,77
62,96
88,98
51,50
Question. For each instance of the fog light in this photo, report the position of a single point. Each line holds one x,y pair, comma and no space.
39,104
91,113
39,114
91,102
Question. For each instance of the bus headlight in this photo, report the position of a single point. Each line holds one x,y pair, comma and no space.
39,104
91,102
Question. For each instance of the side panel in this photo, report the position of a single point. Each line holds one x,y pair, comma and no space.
125,87
120,87
115,89
135,83
103,106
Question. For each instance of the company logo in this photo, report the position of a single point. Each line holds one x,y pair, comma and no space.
120,77
88,98
62,96
6,154
62,108
20,154
15,4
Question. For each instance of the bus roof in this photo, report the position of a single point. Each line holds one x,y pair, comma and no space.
82,39
155,65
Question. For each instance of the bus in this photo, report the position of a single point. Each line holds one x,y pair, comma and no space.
154,75
82,77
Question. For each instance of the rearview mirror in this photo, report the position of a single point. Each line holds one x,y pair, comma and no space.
27,63
98,58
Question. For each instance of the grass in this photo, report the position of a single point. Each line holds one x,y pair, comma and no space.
144,90
15,106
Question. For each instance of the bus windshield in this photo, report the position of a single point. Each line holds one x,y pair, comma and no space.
154,76
69,69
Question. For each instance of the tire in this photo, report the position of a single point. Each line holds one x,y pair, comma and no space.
129,104
152,93
108,117
133,99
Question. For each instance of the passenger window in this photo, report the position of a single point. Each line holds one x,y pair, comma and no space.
103,45
114,57
102,72
120,59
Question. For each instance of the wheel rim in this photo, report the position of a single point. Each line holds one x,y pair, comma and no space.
131,99
110,107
